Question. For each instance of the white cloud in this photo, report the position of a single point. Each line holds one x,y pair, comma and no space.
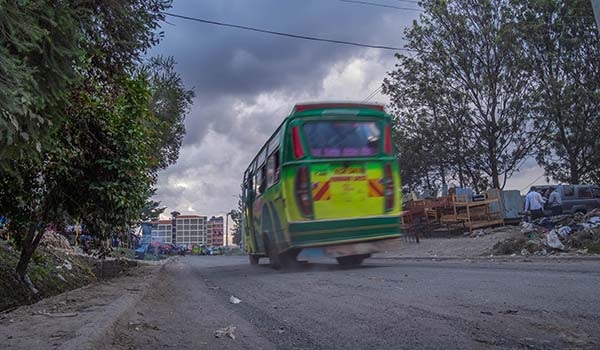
357,77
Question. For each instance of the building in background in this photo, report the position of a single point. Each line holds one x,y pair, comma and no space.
189,230
215,231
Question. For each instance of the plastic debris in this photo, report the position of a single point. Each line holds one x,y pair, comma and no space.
527,226
234,300
524,252
553,241
564,231
225,332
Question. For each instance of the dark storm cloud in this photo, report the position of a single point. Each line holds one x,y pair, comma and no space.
246,82
217,60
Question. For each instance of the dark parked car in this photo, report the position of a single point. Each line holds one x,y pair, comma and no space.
575,198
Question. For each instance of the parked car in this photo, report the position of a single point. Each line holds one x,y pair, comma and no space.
575,198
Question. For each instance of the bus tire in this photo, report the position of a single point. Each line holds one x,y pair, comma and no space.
271,253
352,260
254,259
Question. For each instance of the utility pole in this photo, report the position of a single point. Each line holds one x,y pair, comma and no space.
174,215
231,212
226,229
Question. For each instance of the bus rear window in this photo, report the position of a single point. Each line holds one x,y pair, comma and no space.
342,138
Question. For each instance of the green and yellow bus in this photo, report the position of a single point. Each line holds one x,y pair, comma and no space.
325,183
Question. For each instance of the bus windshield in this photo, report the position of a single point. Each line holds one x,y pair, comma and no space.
330,139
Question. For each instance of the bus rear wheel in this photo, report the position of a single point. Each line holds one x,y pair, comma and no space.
352,260
254,259
286,260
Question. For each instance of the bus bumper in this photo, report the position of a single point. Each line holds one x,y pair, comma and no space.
338,232
334,251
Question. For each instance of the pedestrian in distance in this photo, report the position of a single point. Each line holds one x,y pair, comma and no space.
555,202
534,203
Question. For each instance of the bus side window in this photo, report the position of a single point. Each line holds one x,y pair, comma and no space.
261,179
273,169
250,189
277,166
255,184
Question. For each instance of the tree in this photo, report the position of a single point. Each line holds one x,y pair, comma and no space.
472,51
39,53
101,168
151,210
562,47
110,174
45,47
236,217
170,102
432,130
96,158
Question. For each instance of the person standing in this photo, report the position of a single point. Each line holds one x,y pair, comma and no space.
534,203
555,202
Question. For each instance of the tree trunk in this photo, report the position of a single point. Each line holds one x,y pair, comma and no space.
30,244
443,173
494,169
573,171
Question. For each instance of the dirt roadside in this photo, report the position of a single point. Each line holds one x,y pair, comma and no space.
185,310
78,318
464,246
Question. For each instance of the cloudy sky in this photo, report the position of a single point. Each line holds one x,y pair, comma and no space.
247,82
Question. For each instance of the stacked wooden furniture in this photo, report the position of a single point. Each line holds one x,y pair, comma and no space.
474,214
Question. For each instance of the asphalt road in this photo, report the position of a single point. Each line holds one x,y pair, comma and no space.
385,304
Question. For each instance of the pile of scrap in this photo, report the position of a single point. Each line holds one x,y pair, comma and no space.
52,239
578,233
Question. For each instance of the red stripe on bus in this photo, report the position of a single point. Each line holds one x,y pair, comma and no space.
322,191
373,184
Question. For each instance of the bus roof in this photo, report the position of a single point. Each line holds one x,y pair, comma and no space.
302,107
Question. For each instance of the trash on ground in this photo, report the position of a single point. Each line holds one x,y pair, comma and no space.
572,233
67,265
225,332
564,231
234,300
553,241
51,239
